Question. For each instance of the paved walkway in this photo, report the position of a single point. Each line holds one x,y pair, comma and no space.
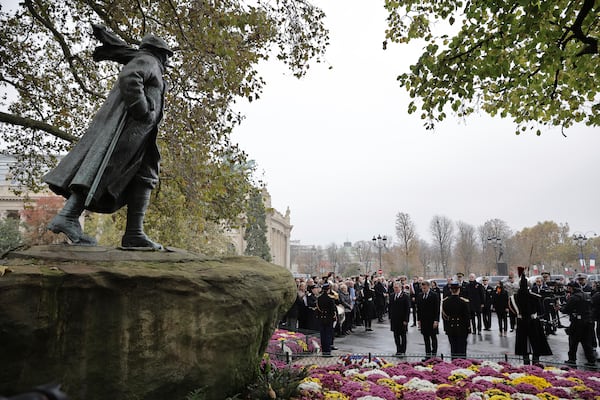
487,344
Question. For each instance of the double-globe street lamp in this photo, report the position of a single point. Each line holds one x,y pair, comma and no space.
580,239
380,242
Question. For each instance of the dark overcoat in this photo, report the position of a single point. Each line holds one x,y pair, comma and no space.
399,309
530,336
133,110
428,311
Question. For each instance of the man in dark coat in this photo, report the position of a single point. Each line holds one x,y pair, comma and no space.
415,290
380,298
476,297
327,314
116,162
488,299
581,330
530,337
456,314
428,314
399,312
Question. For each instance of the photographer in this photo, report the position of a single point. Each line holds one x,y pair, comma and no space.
581,329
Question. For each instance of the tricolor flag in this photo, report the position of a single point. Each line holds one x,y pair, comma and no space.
592,263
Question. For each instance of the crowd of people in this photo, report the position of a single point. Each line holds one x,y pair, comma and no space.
336,307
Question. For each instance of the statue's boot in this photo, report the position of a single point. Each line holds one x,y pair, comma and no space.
137,203
67,222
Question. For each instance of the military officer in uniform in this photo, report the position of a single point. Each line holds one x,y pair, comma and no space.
530,338
581,329
327,314
456,314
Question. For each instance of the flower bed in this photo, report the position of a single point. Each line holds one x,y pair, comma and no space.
292,343
353,379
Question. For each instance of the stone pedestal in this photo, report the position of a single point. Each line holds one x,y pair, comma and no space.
109,323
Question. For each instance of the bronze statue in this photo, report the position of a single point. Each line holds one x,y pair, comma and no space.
116,162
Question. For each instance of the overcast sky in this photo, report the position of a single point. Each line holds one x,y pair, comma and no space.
339,149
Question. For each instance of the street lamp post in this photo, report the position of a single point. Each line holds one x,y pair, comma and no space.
496,242
380,242
580,239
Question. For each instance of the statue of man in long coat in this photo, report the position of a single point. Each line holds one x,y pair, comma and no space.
116,162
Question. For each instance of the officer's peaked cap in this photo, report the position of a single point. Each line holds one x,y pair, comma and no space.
157,43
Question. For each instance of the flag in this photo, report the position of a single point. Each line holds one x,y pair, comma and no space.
592,263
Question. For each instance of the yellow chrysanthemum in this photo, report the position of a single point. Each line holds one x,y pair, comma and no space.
457,377
579,388
574,379
358,377
539,383
504,396
547,396
334,395
497,394
474,367
391,384
302,344
311,379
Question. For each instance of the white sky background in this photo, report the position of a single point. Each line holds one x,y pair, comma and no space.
339,148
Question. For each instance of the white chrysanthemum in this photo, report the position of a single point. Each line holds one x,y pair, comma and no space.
463,371
593,378
398,377
524,396
376,372
422,368
370,398
516,375
493,365
492,379
310,386
476,396
371,364
421,385
566,389
556,371
351,372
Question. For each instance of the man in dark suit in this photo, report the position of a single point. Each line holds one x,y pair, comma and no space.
428,314
475,295
488,298
415,290
399,311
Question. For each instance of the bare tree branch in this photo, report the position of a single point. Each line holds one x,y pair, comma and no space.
63,45
39,125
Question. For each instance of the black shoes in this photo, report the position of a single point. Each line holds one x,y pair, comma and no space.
333,348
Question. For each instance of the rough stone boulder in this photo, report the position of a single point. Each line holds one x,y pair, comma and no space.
115,324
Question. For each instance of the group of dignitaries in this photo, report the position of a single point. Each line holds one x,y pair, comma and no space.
336,307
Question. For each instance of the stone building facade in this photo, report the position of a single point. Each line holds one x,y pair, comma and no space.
12,204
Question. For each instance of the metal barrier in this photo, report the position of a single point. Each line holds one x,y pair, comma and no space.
305,359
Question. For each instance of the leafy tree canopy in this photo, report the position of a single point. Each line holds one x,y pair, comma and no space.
535,61
51,87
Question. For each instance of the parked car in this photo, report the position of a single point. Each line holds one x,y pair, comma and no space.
594,278
553,278
440,282
493,279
